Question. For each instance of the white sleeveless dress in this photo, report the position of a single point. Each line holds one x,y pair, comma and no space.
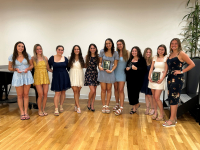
76,74
159,67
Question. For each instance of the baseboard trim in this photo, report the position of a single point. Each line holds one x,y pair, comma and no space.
82,96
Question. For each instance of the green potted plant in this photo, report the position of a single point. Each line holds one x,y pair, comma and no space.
191,31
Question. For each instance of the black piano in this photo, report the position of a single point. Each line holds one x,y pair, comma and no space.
5,84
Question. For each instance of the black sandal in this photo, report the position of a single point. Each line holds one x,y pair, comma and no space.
132,112
93,110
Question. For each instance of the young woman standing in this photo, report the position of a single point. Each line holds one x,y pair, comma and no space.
135,71
20,62
175,77
120,76
147,91
91,74
41,78
76,64
60,78
107,77
159,65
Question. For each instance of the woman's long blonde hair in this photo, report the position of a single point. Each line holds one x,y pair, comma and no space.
35,54
124,51
149,61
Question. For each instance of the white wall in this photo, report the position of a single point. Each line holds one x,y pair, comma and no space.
143,23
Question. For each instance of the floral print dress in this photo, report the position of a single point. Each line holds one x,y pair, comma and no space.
91,73
174,82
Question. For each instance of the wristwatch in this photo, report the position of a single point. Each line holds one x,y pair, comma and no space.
181,72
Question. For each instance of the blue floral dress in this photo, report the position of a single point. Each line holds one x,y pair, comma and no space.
19,79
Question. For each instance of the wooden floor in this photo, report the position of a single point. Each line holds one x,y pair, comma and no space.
93,131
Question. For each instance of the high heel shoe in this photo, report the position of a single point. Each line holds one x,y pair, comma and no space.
116,107
166,124
119,111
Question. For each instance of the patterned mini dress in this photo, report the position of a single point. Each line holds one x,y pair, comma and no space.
91,73
174,82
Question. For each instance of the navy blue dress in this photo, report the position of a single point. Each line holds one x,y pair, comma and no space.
60,76
174,82
145,88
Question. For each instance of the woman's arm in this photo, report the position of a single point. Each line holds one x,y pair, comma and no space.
186,59
10,67
100,61
30,66
150,71
164,74
48,68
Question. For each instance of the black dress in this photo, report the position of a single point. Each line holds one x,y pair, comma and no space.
91,73
134,79
145,88
174,82
60,76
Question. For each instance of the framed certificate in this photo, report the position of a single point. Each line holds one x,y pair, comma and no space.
155,76
106,65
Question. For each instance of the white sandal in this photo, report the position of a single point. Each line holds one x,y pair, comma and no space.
119,111
103,109
107,109
79,110
75,108
116,107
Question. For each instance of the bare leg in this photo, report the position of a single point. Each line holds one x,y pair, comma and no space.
154,103
116,86
92,96
76,95
103,92
108,88
45,89
121,93
26,97
56,99
159,103
20,91
40,96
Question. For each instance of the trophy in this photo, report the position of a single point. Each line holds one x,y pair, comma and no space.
155,76
106,65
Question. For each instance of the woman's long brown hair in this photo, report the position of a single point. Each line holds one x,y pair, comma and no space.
72,58
124,51
15,53
89,55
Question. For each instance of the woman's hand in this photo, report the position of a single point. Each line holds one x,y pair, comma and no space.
26,70
134,68
128,68
159,81
109,71
17,69
177,72
150,79
101,68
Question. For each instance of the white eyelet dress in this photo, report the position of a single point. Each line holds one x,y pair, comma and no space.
159,67
76,75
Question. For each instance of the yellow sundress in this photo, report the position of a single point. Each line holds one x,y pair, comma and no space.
40,74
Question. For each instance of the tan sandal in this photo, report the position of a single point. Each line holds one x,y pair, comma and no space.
166,124
116,107
119,111
154,116
41,114
151,113
75,108
45,113
160,118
